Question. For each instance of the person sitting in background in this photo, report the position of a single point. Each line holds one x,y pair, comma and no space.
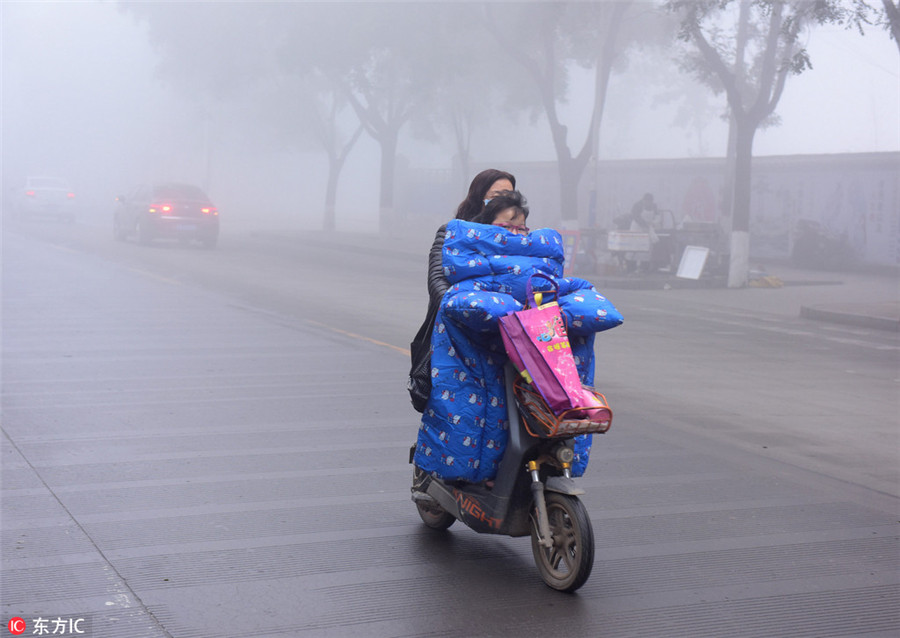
645,216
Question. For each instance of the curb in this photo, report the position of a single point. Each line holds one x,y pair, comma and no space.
820,313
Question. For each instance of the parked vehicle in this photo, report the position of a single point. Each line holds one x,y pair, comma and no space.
45,197
166,211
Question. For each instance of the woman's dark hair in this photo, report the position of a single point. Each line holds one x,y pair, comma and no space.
481,184
506,199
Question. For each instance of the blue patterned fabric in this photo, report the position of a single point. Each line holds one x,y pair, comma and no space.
464,427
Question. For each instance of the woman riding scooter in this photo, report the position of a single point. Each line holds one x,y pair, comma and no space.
476,459
484,187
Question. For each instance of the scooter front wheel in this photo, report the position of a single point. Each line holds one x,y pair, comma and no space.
567,564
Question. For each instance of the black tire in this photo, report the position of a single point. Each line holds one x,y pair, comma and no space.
142,232
435,516
566,565
432,514
118,232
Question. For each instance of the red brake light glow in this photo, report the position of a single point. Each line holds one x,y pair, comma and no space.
164,208
70,195
29,193
210,210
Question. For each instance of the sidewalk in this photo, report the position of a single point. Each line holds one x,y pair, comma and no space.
862,299
883,316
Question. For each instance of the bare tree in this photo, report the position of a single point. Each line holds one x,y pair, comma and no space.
384,57
299,104
560,34
318,109
748,50
470,97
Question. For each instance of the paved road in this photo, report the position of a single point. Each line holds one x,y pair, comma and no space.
213,444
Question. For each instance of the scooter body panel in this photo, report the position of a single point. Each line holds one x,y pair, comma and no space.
482,510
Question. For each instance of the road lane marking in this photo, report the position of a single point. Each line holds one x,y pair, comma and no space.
167,280
354,335
319,324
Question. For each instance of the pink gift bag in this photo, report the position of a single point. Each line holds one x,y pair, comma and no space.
538,346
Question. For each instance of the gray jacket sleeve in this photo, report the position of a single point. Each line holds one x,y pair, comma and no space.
437,282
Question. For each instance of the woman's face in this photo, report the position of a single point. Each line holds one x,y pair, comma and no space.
498,187
512,220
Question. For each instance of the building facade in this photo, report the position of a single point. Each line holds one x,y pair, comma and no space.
853,199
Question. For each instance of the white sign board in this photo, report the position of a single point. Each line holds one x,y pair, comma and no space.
693,260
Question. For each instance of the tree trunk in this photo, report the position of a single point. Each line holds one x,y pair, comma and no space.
334,170
386,222
570,172
739,263
892,13
728,181
462,127
739,260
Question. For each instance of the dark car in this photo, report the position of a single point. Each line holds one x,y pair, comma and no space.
166,211
43,197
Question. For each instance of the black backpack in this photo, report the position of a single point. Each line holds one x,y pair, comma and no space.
419,383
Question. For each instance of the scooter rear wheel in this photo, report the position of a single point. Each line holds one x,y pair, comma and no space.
566,565
434,516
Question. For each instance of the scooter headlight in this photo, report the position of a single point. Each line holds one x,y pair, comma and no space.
565,454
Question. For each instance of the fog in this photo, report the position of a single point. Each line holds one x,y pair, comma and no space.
86,96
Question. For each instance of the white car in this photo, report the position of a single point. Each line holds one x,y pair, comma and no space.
46,197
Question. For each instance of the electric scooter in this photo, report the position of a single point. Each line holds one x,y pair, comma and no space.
533,493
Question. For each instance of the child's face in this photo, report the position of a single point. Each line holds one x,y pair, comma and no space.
512,220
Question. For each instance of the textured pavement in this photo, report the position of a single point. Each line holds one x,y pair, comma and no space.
177,462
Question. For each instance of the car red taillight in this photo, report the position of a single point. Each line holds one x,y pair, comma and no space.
29,193
210,210
165,209
70,195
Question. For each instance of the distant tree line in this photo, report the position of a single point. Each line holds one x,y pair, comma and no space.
322,74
